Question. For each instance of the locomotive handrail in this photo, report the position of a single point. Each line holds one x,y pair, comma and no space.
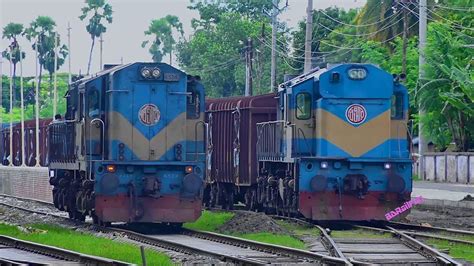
93,121
206,129
273,140
305,141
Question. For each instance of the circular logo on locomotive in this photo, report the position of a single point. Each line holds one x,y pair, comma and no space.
356,114
149,114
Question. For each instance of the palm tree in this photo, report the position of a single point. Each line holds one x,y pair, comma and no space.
161,31
385,20
99,10
41,31
11,32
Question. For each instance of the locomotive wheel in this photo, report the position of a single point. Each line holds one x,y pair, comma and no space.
96,220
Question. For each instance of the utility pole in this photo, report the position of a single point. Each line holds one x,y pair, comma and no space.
101,44
405,4
11,108
309,37
274,15
55,91
274,36
248,67
22,107
69,47
422,147
37,106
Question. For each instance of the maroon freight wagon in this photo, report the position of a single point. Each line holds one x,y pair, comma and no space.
30,143
232,168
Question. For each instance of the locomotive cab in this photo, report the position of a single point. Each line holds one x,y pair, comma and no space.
132,146
343,144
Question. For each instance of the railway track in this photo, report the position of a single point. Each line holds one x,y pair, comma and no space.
226,248
401,248
19,252
433,232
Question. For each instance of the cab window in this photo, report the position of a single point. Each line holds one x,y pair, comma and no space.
192,105
303,106
93,103
397,106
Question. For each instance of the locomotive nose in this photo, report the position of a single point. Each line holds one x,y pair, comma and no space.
192,184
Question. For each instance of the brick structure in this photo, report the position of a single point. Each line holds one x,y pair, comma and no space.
28,182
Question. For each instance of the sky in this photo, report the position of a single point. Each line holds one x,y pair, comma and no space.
124,36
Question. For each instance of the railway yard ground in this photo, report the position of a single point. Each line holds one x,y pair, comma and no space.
43,224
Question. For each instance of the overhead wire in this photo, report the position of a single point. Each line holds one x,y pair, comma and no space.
448,20
429,17
456,8
364,34
358,25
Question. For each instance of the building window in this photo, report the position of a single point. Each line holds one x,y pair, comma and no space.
303,106
397,106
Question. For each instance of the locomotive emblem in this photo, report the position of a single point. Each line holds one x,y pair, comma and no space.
356,114
149,114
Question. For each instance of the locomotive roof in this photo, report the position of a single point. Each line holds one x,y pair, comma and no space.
111,70
315,73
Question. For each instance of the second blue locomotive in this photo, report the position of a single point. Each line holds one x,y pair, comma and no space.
331,145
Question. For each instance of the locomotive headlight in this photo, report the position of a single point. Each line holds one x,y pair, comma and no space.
156,72
188,169
387,166
324,165
146,73
357,73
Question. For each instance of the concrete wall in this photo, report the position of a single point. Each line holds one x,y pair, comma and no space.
30,182
448,167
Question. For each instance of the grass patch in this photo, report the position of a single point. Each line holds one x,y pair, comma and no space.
461,251
454,235
210,221
299,230
282,240
84,243
416,178
359,233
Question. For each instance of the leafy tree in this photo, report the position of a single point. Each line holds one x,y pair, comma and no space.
211,10
41,33
384,19
447,94
11,32
215,52
161,31
98,10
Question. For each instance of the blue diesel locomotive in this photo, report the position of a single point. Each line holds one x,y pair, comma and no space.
131,146
331,145
339,148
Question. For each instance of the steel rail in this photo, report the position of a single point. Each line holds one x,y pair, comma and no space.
269,248
142,238
331,245
58,253
421,235
150,240
430,228
422,248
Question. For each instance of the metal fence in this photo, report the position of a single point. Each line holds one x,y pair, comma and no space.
453,167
